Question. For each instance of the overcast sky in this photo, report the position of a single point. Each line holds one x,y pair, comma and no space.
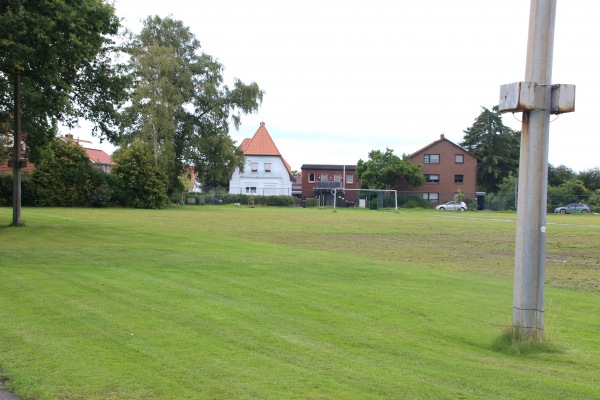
343,77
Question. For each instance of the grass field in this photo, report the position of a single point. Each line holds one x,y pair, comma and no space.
223,302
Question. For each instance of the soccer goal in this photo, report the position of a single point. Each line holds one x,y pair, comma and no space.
368,195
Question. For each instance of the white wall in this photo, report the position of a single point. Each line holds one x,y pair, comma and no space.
274,182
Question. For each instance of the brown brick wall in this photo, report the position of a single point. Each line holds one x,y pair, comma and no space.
447,168
308,187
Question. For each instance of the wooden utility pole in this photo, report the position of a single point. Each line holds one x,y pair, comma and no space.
17,162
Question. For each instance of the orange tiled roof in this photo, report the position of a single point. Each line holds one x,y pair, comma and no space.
244,144
262,144
98,156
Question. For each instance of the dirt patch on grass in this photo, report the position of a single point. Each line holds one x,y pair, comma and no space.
577,267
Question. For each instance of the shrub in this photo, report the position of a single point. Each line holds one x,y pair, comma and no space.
6,189
63,177
416,202
311,202
471,204
275,201
142,183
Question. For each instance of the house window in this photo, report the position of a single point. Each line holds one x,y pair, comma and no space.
311,177
250,189
458,178
254,166
324,177
432,178
431,159
459,158
267,167
337,177
431,196
349,178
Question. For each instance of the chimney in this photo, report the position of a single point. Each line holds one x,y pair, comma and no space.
442,137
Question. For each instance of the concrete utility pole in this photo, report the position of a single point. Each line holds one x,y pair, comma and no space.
537,98
530,247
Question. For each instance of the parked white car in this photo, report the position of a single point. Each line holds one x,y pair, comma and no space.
453,206
573,208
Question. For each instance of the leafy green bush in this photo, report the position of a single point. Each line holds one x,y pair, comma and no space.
471,204
416,202
6,189
275,201
141,182
311,202
63,177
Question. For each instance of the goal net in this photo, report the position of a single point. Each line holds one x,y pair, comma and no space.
375,199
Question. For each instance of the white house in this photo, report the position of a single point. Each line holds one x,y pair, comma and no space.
265,171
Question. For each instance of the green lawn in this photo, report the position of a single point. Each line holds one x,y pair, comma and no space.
224,302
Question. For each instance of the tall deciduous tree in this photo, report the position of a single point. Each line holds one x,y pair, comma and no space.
559,175
55,66
590,178
385,170
63,52
181,106
496,145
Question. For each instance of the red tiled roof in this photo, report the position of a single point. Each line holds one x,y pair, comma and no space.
441,139
244,144
98,156
287,166
262,144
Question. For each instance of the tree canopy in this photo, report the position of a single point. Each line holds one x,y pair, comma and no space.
496,145
590,178
559,175
181,105
385,170
63,52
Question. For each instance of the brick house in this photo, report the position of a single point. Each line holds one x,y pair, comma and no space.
319,180
99,158
447,167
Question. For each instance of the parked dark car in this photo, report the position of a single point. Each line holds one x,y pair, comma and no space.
573,208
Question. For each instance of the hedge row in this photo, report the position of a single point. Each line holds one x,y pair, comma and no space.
242,199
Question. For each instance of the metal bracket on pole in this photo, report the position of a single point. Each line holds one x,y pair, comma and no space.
521,96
